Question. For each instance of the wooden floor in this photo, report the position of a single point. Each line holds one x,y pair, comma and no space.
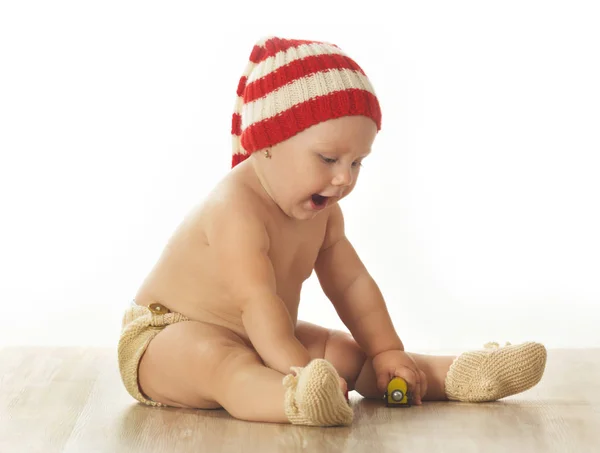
71,400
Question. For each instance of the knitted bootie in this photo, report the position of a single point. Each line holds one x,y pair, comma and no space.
495,372
313,396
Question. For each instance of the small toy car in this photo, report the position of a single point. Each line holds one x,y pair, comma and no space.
397,394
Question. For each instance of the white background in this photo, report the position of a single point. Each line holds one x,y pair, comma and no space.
477,213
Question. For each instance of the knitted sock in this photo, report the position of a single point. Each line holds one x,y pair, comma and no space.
313,396
495,372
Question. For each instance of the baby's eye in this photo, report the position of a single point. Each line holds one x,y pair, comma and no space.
327,160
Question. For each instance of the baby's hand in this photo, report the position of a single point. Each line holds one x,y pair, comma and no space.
396,363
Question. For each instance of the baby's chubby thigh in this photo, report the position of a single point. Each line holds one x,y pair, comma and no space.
335,346
185,364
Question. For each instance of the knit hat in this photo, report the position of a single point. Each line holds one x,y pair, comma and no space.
290,85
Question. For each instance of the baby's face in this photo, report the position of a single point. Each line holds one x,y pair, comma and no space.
316,168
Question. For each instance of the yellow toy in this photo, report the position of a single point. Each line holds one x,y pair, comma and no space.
397,394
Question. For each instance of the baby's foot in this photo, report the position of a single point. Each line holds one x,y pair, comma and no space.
314,397
495,372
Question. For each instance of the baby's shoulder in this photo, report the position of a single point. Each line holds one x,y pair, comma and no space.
231,198
233,209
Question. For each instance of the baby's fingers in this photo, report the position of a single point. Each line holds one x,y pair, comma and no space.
382,382
413,379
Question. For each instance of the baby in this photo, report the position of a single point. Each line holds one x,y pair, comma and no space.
215,323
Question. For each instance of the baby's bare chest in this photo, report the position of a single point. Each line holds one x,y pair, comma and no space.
294,258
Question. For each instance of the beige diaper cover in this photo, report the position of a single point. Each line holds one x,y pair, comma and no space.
140,325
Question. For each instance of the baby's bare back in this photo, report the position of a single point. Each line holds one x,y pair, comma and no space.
193,275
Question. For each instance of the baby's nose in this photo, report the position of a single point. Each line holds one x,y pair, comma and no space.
343,178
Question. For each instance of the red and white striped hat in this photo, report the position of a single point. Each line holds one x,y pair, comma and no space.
290,85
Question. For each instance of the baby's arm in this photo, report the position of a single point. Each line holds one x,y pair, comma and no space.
353,292
242,245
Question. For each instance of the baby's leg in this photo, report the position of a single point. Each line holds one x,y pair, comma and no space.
352,364
197,365
481,375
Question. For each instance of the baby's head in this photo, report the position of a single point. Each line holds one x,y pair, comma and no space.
307,115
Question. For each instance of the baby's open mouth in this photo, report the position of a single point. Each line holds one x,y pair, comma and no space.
319,200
